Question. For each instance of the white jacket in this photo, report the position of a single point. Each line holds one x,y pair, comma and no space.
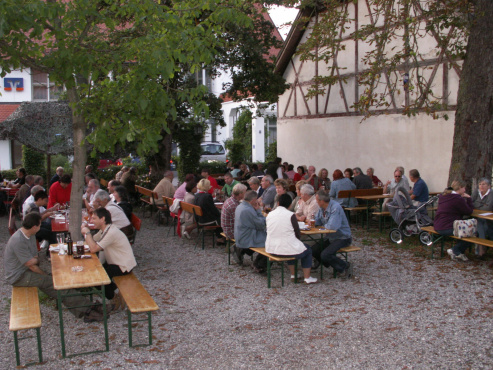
281,238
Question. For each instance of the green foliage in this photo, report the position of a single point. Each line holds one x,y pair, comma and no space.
108,173
188,140
240,145
33,161
60,160
9,174
214,167
271,154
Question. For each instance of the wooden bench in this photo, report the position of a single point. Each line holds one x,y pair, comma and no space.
25,314
357,193
344,251
229,243
202,228
441,238
270,259
381,215
104,182
137,300
148,198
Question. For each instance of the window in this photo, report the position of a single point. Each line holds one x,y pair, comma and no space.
271,129
43,89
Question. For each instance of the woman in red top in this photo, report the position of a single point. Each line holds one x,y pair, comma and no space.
301,173
60,191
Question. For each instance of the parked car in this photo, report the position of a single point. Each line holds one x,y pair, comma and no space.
103,163
213,151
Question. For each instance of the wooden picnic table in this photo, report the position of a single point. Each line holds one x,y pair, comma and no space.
70,273
368,198
317,230
480,214
61,225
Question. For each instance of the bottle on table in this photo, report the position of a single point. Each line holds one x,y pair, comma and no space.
70,245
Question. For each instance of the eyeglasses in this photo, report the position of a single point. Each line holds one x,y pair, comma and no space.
398,176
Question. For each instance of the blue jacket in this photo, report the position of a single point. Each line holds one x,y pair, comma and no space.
343,184
334,218
250,229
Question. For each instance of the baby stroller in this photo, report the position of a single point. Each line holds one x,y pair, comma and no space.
409,218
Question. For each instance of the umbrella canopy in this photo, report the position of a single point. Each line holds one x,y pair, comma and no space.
43,126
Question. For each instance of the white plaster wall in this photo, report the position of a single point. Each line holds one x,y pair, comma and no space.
16,96
5,155
381,142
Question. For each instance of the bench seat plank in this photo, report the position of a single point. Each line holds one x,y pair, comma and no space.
351,248
135,295
271,257
24,309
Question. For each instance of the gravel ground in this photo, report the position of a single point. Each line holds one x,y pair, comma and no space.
400,311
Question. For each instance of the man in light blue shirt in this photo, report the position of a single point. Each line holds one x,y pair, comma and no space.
332,217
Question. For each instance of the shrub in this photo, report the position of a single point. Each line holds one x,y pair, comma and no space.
213,166
33,161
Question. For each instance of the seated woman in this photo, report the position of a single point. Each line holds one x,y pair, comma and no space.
300,174
348,173
342,183
483,199
186,218
210,214
121,198
323,180
453,204
295,204
282,187
129,179
283,238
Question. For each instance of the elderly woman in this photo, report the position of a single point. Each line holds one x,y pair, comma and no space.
308,207
121,198
375,180
282,187
296,201
348,173
300,174
283,238
342,183
483,199
453,204
210,214
323,179
186,218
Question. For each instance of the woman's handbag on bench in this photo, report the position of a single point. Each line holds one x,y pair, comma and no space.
465,228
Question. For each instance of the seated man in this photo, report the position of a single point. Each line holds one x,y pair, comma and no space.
308,206
268,197
22,193
115,251
229,184
376,181
21,266
391,187
60,191
419,193
165,187
250,231
254,183
284,238
332,217
38,206
111,188
30,199
88,197
213,183
229,208
311,177
361,180
119,218
57,176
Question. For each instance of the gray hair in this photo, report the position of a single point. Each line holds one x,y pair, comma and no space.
95,182
484,179
227,174
239,189
358,170
400,168
38,180
323,196
253,180
35,189
268,178
250,195
102,195
307,189
167,173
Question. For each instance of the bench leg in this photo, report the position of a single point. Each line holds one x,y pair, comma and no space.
282,274
149,327
296,271
16,345
149,322
268,272
129,318
40,351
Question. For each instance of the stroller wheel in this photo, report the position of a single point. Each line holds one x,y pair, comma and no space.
396,236
425,238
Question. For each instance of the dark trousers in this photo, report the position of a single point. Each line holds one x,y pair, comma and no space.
461,245
325,252
305,257
112,270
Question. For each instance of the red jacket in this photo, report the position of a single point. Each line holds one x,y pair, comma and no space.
451,207
58,194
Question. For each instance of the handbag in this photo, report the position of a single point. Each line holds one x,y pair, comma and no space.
175,206
465,228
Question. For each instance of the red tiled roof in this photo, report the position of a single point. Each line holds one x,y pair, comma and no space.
6,110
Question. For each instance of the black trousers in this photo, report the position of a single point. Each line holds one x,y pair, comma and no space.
112,270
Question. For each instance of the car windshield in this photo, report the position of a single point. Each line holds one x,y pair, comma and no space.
212,149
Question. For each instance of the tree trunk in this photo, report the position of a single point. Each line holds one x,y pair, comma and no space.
159,162
472,153
80,157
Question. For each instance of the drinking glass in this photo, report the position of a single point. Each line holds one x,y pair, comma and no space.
60,237
80,247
